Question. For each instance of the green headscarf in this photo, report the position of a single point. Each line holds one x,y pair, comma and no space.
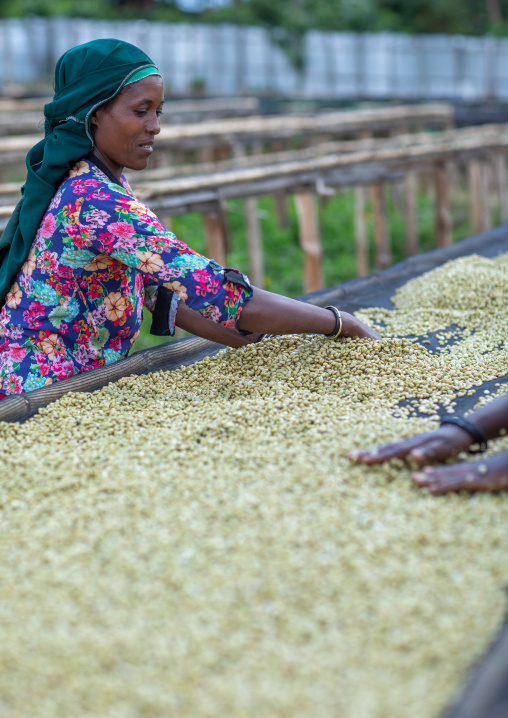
86,77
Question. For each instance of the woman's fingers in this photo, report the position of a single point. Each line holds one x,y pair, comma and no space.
442,445
397,450
354,328
485,475
368,333
436,445
362,331
374,335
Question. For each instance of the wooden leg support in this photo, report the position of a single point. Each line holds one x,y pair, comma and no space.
443,217
310,241
381,236
502,187
254,242
479,191
362,264
411,183
215,236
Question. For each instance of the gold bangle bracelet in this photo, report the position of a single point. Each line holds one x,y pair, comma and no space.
338,324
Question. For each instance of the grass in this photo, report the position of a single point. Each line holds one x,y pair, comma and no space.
283,256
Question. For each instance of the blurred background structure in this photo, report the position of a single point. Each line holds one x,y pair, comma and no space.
342,49
227,59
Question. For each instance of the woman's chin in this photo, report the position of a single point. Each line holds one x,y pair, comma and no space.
138,164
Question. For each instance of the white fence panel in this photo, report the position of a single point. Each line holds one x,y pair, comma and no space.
227,60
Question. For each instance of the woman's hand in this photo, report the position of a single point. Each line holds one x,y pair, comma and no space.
443,443
485,475
353,327
274,314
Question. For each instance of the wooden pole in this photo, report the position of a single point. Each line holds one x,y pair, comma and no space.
254,242
397,193
278,145
220,152
362,264
474,171
478,186
310,241
280,198
485,189
214,237
381,236
254,239
206,154
502,187
443,221
411,213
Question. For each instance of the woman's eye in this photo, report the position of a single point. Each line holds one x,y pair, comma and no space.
159,113
140,113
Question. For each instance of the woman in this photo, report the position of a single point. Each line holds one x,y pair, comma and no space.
455,434
81,256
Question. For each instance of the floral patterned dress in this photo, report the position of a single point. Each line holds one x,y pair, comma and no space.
98,258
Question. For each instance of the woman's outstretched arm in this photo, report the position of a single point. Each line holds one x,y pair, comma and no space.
268,313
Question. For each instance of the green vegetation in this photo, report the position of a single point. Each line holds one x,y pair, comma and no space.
283,256
289,20
470,17
293,18
97,9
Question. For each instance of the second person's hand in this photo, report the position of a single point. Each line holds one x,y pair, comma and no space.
437,445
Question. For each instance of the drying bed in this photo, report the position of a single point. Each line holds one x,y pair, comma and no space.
196,543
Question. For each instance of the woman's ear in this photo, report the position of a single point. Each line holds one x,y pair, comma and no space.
95,118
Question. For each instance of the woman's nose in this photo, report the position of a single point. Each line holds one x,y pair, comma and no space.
154,125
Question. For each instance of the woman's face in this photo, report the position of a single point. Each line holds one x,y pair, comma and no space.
124,129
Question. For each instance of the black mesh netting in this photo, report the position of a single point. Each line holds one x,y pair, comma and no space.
486,693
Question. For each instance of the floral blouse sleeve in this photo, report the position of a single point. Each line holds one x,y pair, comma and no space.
98,258
114,224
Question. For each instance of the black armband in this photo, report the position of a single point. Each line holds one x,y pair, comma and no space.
474,432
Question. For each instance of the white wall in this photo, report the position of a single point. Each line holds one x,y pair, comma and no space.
230,60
